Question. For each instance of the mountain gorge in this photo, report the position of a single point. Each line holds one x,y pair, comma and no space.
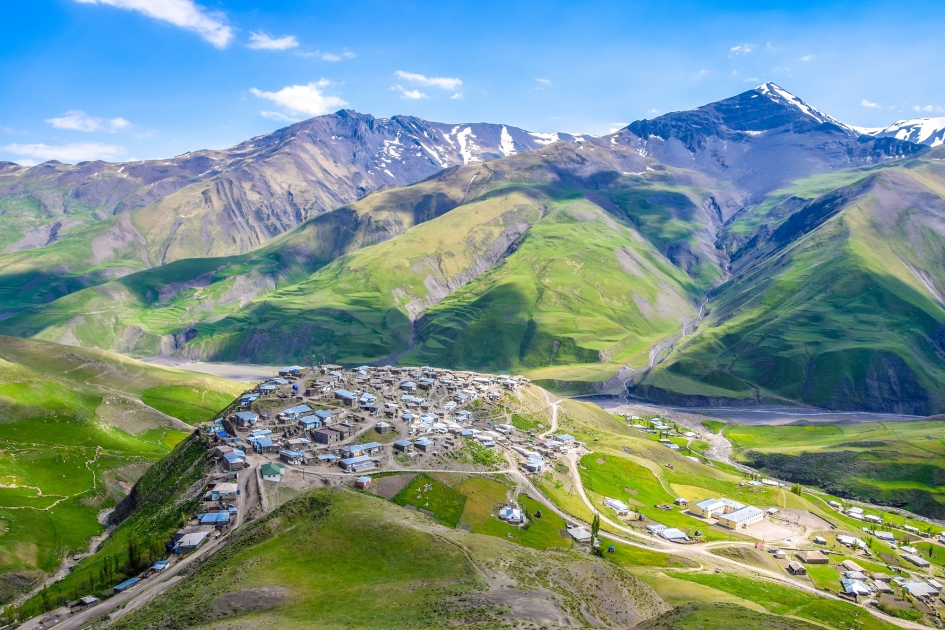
751,250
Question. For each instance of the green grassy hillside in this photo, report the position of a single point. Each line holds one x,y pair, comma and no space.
515,246
75,436
336,559
839,306
896,464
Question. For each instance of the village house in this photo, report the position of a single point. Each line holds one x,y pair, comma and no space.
357,464
244,419
326,436
294,413
272,471
294,458
811,557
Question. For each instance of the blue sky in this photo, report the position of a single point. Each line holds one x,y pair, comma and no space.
137,79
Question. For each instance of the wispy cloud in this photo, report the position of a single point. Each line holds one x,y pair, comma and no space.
210,25
263,41
927,108
741,49
77,120
445,83
457,96
328,56
807,57
300,100
414,95
543,81
702,73
73,152
870,104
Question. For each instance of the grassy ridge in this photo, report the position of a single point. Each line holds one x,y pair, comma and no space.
898,464
843,315
74,431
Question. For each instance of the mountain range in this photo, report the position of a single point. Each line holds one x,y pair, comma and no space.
752,250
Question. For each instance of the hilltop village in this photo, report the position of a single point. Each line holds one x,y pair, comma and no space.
399,433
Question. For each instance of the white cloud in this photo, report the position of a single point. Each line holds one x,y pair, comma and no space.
73,152
742,49
702,73
414,95
263,41
457,96
186,14
870,104
77,120
445,83
926,108
278,116
807,57
302,100
328,56
543,81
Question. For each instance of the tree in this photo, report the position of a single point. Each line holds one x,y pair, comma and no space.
156,547
595,527
44,597
134,551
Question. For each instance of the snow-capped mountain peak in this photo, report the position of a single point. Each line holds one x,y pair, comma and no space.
930,131
779,95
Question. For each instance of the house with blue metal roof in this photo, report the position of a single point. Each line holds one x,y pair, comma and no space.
292,457
310,422
325,416
124,586
345,396
403,446
245,418
217,519
357,464
294,413
263,445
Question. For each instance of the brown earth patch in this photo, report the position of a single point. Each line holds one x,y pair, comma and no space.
247,600
387,487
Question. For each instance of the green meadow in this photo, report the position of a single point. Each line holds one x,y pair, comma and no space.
75,436
900,464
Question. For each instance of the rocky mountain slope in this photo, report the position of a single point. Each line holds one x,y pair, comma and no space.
96,221
577,263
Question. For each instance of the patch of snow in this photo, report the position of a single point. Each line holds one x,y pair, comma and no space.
930,131
389,173
544,138
466,145
506,144
779,95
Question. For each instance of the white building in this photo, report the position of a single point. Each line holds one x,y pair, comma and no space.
617,506
740,519
707,508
